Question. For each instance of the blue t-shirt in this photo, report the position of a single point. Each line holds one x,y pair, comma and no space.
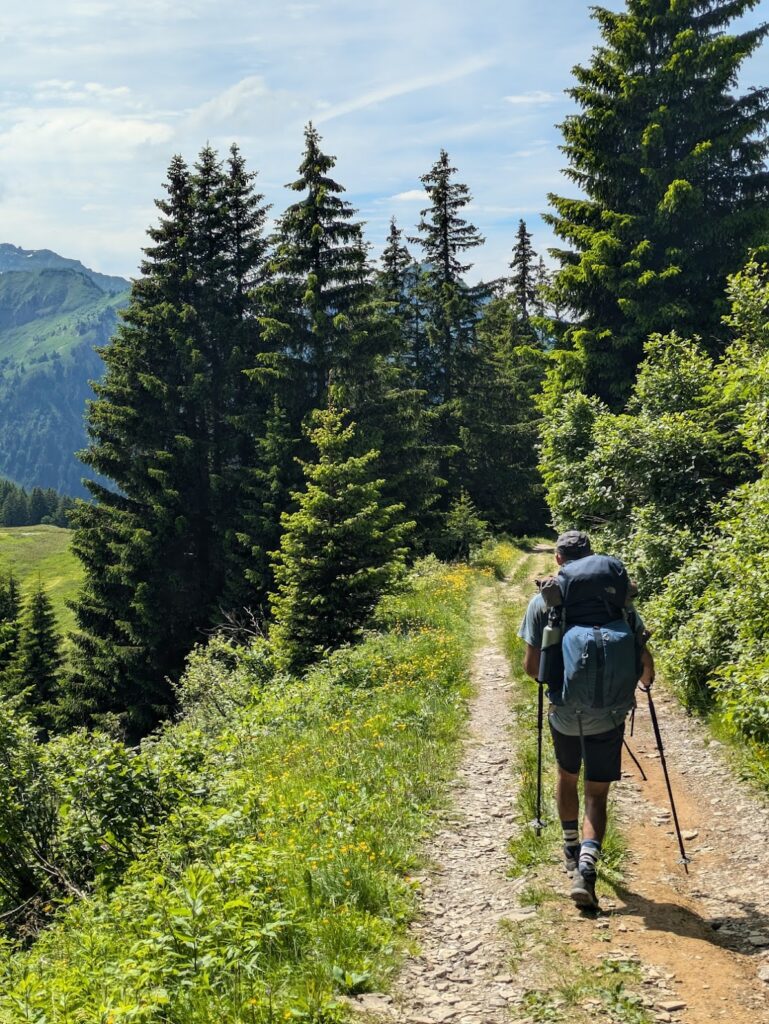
564,719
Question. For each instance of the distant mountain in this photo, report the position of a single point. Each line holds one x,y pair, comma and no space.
12,258
53,312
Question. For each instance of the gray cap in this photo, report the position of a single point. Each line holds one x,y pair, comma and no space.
573,544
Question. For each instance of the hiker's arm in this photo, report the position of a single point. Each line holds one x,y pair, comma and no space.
647,668
531,661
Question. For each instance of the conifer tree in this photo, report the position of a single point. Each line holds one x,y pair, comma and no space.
319,284
340,548
523,280
396,274
403,420
173,428
672,167
36,666
501,421
10,609
453,306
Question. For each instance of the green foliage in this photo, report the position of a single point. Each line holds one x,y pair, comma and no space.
500,421
34,670
670,164
174,426
340,549
496,556
280,876
710,617
452,310
43,553
463,529
645,480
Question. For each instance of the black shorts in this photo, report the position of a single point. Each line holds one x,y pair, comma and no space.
603,754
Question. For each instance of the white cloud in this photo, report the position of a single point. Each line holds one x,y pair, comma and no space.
404,88
413,195
532,99
68,91
79,133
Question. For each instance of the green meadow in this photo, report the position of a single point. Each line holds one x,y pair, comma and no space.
42,552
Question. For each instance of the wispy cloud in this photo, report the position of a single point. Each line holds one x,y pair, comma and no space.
413,195
404,88
532,99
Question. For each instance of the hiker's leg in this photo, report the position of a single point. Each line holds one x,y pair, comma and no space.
568,756
603,765
567,795
596,799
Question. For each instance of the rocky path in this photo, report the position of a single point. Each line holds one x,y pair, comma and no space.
460,973
700,942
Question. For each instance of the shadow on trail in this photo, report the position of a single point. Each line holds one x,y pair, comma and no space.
672,918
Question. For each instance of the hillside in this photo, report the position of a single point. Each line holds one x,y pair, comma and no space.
53,313
43,552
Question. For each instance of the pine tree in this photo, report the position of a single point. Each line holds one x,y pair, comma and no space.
453,306
524,278
36,666
464,528
320,284
452,309
10,610
339,550
501,421
399,416
396,274
173,428
39,507
672,167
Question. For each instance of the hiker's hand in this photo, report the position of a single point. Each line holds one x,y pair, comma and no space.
647,670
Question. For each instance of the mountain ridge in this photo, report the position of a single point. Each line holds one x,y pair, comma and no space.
54,313
14,259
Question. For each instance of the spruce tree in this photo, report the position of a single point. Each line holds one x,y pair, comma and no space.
36,666
452,309
402,419
319,284
501,421
453,306
340,549
671,164
172,427
524,277
10,609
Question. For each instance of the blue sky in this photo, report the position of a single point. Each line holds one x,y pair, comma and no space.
96,96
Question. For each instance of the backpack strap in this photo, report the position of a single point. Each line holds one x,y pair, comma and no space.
600,667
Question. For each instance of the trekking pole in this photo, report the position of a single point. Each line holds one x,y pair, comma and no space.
538,824
658,738
550,673
634,759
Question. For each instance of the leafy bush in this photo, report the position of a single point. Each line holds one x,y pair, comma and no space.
280,876
711,616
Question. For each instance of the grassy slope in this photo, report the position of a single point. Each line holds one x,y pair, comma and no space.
282,877
57,332
44,552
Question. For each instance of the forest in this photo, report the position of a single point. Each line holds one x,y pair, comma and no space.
303,461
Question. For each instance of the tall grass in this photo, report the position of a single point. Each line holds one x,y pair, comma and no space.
284,877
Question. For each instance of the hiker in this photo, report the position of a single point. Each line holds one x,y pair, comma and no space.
587,720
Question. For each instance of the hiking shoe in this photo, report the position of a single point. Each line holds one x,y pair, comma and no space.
583,891
571,857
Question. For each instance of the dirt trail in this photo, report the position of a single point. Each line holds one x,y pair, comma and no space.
702,940
460,973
